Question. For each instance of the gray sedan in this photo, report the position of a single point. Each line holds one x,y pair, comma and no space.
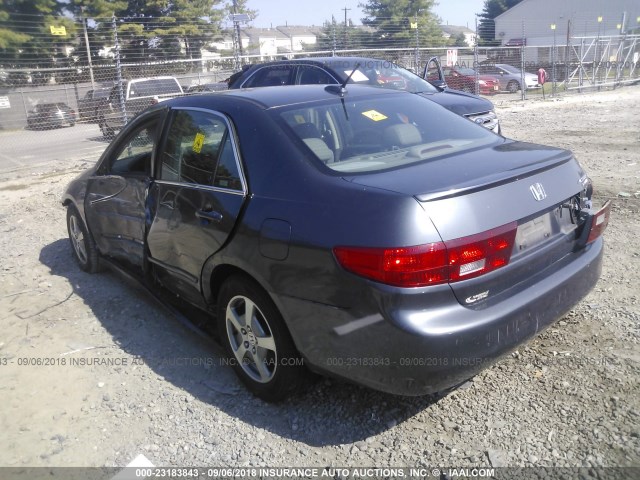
359,232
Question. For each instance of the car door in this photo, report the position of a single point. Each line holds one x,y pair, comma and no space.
196,198
116,195
433,73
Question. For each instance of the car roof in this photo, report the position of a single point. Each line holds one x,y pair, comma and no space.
273,97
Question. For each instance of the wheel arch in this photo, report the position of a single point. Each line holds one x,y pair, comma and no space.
214,275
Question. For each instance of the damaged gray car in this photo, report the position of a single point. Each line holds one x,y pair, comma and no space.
364,233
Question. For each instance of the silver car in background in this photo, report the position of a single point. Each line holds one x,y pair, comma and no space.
509,77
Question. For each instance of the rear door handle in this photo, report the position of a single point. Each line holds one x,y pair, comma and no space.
209,216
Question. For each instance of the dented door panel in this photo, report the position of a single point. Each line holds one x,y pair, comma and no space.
116,215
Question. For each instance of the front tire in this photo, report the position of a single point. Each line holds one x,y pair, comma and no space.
513,86
83,246
256,340
107,131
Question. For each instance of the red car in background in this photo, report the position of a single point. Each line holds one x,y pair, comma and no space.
463,78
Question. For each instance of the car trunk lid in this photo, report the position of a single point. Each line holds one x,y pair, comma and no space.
539,191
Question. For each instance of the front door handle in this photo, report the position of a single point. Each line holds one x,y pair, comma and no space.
207,216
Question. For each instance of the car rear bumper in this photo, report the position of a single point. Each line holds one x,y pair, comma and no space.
409,348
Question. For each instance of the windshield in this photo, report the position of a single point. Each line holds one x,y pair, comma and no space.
380,73
466,71
379,132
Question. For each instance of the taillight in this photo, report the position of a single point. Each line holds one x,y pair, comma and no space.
403,267
433,263
478,254
599,222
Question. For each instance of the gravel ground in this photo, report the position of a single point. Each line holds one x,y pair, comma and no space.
116,375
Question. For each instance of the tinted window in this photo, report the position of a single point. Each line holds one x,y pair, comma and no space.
199,150
270,76
309,75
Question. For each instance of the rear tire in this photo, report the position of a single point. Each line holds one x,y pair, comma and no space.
84,248
256,340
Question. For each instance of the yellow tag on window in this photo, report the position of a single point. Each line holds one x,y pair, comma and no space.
300,119
374,115
198,142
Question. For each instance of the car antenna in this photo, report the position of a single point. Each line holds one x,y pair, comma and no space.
341,89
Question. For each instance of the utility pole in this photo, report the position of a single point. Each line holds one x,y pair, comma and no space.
236,26
345,26
333,31
86,42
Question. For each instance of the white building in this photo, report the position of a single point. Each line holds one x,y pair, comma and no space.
574,18
266,42
299,37
452,31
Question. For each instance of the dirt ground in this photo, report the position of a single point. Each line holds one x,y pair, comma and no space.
93,372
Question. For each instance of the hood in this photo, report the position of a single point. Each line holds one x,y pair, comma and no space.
459,102
471,171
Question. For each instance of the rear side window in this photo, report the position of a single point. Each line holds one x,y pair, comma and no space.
310,75
199,150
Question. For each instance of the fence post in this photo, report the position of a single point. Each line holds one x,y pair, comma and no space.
119,70
475,59
523,84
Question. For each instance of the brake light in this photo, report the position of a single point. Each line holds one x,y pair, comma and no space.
403,267
478,254
599,222
433,263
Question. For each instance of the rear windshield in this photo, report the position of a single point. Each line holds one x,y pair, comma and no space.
381,132
155,86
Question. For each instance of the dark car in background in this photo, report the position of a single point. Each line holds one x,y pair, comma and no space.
379,73
89,105
51,115
360,232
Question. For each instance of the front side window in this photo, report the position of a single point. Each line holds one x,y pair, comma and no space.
199,150
134,157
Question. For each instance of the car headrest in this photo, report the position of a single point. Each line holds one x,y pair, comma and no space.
320,149
402,135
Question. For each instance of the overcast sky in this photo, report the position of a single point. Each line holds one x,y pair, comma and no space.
315,12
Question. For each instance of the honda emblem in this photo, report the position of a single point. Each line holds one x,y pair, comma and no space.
538,192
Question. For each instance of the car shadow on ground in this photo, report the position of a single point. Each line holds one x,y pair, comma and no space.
328,412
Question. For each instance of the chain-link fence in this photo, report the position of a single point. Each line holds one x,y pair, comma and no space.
82,70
